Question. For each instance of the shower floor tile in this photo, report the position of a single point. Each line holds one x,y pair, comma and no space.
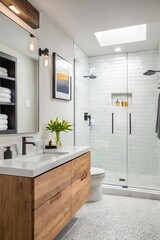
133,180
115,218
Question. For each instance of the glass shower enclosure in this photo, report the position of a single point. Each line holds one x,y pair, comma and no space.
122,103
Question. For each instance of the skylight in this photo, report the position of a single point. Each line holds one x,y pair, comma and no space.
122,35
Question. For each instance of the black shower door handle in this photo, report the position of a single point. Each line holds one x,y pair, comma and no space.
130,123
112,123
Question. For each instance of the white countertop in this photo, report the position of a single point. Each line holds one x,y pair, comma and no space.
37,163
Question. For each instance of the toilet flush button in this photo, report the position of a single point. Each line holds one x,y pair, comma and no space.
27,103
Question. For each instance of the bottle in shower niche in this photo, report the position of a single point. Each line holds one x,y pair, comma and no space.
122,103
126,103
117,103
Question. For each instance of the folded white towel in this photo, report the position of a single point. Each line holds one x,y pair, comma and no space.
3,122
5,100
5,90
3,127
3,69
3,116
3,74
5,95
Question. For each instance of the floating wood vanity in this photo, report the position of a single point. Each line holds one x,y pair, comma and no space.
38,208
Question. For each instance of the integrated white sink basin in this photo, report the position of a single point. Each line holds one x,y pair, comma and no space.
44,157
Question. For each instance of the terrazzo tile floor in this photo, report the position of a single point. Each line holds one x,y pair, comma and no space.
115,218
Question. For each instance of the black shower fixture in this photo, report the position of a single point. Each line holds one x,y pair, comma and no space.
91,76
86,116
150,72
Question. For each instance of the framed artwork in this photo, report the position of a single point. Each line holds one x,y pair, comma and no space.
61,78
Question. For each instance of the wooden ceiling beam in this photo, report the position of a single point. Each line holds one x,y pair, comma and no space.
28,13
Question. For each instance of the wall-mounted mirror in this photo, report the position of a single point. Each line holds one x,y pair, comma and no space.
18,79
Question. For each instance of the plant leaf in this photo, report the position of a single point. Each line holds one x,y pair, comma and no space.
57,125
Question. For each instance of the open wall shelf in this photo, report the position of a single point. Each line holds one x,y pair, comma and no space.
7,78
8,63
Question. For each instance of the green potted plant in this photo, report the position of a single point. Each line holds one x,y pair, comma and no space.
57,126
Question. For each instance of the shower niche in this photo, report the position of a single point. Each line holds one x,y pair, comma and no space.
121,100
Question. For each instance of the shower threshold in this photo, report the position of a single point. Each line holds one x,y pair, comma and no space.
130,192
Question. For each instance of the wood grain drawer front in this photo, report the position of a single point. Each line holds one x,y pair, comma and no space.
53,215
16,213
49,184
80,166
80,192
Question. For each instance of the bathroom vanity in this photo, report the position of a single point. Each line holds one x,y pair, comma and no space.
39,195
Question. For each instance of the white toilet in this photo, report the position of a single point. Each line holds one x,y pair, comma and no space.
97,176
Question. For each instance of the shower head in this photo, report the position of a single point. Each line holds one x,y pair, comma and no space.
150,72
91,76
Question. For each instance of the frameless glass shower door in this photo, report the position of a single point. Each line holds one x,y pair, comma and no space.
108,107
143,145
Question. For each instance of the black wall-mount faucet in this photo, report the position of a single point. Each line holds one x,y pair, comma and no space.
24,143
87,117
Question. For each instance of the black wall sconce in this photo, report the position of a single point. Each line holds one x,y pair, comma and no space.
45,57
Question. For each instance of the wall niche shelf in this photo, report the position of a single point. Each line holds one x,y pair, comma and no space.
121,100
8,64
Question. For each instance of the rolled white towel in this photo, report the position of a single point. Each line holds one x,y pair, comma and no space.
5,95
3,116
3,69
3,74
5,90
3,122
5,100
3,127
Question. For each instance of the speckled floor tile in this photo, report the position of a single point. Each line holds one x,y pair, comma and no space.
115,218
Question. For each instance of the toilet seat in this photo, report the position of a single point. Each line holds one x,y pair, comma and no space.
97,172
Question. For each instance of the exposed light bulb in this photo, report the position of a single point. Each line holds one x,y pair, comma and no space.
45,61
32,43
32,47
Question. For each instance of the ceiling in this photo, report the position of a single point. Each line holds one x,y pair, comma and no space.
80,19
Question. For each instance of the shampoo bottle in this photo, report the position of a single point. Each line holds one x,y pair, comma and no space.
117,103
122,103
